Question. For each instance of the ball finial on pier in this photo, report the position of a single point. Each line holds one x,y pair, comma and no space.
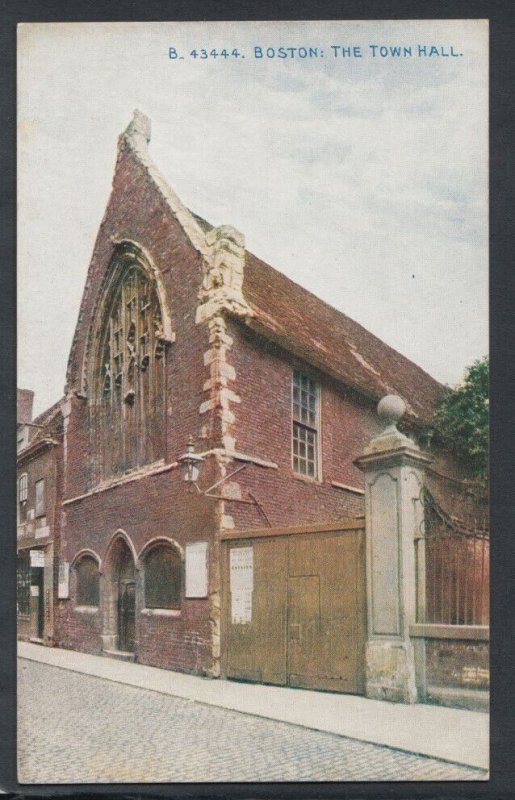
391,409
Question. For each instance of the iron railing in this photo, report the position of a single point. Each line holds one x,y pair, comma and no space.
453,565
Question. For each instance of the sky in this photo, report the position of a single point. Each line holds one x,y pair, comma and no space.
362,177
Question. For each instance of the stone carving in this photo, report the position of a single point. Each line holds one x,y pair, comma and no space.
228,259
222,278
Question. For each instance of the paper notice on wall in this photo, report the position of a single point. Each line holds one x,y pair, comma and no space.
241,606
63,585
196,569
241,569
34,591
37,558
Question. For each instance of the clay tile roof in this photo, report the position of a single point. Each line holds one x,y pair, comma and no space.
335,342
325,337
49,414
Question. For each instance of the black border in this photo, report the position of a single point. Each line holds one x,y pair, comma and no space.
501,14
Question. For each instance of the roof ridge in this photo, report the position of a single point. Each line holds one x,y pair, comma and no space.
333,310
49,413
381,380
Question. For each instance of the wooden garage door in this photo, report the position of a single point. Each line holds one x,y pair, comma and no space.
294,610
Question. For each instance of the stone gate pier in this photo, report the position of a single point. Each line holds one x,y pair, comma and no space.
394,473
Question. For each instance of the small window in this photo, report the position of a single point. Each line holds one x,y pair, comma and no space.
163,578
305,425
40,497
87,581
22,437
22,498
23,583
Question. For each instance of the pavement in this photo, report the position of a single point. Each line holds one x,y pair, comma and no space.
452,735
78,728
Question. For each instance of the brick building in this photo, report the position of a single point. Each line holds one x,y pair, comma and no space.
39,496
183,333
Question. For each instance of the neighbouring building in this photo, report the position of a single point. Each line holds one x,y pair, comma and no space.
38,503
186,342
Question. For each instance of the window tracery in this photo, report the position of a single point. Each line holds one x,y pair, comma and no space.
129,373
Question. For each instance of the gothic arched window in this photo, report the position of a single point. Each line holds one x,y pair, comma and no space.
88,589
129,379
163,578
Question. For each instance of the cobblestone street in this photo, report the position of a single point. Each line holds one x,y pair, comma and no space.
75,728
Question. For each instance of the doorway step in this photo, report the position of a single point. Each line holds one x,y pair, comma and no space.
121,655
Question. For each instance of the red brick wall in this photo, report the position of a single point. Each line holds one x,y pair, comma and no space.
137,211
263,428
42,466
182,644
158,505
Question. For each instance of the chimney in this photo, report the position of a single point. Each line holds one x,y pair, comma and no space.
24,401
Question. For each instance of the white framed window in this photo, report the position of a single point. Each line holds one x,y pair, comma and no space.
22,437
305,419
23,485
40,497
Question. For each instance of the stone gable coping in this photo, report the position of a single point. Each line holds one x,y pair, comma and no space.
137,136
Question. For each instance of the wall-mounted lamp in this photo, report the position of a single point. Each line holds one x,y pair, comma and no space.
190,467
190,463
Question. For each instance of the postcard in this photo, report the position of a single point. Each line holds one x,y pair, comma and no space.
252,521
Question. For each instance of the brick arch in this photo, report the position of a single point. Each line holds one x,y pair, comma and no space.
86,551
158,541
108,285
146,259
118,535
154,544
119,562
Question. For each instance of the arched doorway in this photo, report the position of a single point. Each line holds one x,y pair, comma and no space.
120,598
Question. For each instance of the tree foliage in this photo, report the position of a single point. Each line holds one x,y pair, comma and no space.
461,420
